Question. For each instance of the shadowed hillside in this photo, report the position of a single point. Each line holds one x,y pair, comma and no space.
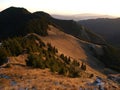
73,28
108,28
19,22
40,52
23,71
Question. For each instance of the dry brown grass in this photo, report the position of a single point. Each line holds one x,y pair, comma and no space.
71,46
26,77
65,43
29,78
40,79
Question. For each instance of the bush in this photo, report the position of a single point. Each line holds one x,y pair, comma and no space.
65,59
74,71
63,71
12,46
52,49
83,66
35,61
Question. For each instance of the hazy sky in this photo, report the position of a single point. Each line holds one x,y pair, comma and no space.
107,7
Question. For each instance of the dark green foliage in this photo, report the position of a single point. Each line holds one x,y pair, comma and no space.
19,22
48,58
3,56
74,69
30,45
62,56
39,55
35,61
38,26
63,70
51,62
83,66
12,46
75,63
65,59
19,45
51,49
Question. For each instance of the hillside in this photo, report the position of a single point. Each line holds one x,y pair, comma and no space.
71,46
19,22
109,29
37,22
73,28
37,50
27,77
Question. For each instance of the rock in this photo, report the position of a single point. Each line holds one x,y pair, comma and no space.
13,83
4,76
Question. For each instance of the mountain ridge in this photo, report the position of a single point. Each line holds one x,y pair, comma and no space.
19,10
24,24
108,28
38,23
74,54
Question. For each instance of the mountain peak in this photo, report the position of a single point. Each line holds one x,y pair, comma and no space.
42,14
15,10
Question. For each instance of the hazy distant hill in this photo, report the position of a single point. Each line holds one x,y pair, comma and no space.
83,16
108,28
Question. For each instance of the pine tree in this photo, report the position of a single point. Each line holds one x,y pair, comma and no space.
83,66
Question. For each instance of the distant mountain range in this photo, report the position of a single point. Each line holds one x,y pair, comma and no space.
108,28
84,16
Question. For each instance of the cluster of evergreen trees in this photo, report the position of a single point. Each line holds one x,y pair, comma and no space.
40,55
18,45
48,57
56,64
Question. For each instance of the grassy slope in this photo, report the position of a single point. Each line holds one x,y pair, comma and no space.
70,45
44,79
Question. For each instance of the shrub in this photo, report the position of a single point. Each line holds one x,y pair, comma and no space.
52,49
83,66
35,61
12,46
65,59
74,71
